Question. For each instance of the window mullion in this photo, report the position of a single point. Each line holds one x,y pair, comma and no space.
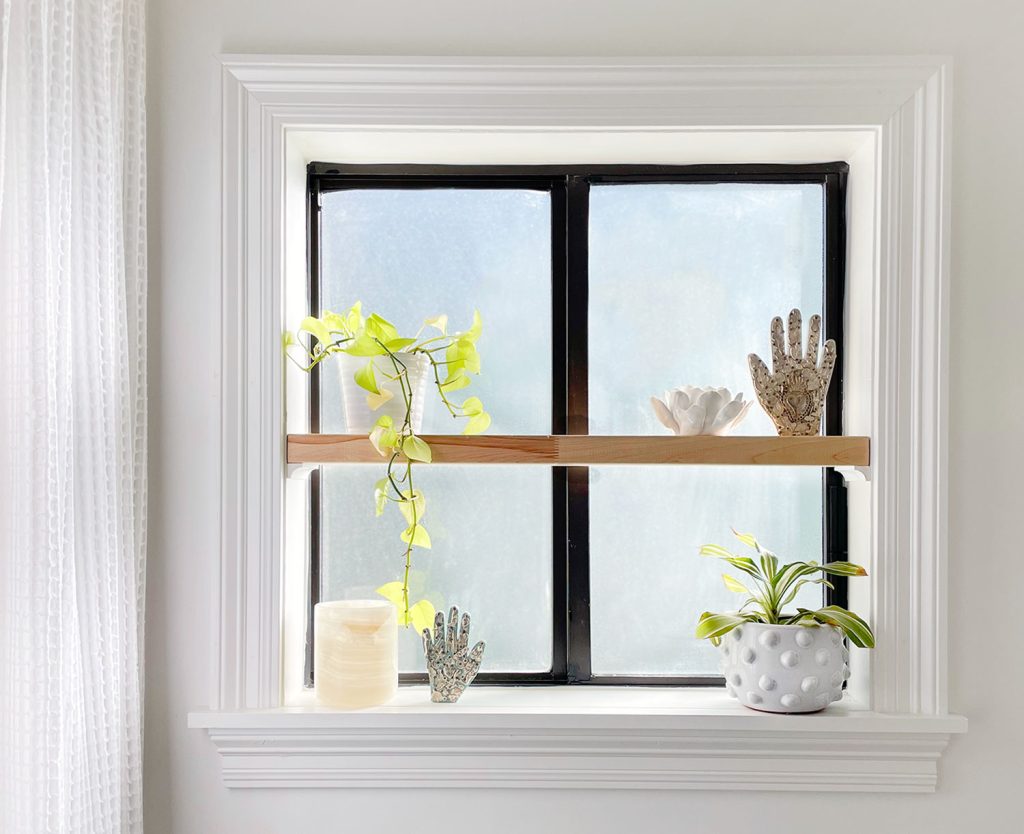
578,477
559,421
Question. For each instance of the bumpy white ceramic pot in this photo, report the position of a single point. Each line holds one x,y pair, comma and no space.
784,668
359,417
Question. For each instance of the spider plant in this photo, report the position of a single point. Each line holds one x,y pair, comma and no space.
773,586
453,357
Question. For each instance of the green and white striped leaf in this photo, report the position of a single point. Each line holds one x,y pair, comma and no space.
734,584
790,573
843,569
744,563
852,626
796,589
747,539
711,625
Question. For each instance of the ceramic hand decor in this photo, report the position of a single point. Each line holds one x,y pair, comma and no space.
451,665
793,393
691,410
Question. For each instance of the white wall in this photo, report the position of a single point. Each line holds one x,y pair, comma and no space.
980,773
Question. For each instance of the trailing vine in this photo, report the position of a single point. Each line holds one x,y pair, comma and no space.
452,357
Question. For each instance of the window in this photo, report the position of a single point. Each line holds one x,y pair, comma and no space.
889,117
599,287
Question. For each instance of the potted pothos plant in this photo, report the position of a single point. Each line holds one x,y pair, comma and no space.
775,659
385,374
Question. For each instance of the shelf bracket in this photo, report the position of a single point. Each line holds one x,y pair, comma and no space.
300,471
855,474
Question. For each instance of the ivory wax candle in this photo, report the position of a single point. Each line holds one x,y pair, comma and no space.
356,660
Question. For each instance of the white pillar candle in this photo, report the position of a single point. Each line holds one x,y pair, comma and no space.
356,662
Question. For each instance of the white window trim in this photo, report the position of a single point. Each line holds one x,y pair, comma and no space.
896,394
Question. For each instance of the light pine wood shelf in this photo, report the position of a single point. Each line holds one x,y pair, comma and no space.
570,450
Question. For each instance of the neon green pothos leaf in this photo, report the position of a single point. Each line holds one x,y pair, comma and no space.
363,345
313,325
417,536
416,448
354,317
383,437
366,379
462,355
421,616
407,506
380,495
477,424
454,383
335,323
438,322
477,327
393,592
375,401
378,327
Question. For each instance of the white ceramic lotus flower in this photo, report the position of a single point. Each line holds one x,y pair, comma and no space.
691,410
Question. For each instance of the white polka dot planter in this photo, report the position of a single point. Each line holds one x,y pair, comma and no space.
784,668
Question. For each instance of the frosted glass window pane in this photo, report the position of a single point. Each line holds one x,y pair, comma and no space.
491,529
412,253
684,280
647,583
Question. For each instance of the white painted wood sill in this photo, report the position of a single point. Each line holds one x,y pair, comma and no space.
579,737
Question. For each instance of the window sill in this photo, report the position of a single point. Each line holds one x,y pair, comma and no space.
579,737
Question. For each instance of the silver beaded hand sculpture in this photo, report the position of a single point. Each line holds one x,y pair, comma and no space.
450,665
794,392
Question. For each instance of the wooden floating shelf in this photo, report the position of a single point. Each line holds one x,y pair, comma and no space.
572,450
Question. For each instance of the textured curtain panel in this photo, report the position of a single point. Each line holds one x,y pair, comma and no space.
72,415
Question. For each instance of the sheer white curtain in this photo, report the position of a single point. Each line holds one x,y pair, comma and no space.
72,415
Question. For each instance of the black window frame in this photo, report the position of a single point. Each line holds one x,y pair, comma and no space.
569,187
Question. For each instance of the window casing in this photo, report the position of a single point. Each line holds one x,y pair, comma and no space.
569,190
889,116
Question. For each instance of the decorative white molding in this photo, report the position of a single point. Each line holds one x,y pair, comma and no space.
909,441
706,749
901,371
